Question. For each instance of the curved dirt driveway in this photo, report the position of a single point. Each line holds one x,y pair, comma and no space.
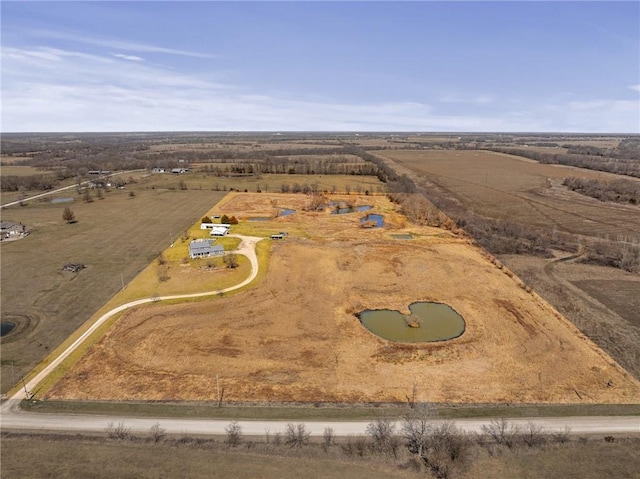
247,248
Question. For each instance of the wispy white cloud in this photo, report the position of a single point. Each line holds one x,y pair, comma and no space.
47,89
115,43
478,99
635,87
132,58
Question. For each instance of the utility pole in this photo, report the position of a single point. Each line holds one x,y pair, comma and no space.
122,279
171,236
26,393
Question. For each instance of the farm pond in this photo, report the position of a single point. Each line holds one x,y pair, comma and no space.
428,322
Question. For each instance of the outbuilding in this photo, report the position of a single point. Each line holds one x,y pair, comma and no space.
218,230
11,230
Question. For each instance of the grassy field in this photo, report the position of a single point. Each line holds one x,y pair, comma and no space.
116,238
36,456
295,337
524,192
267,183
20,170
602,302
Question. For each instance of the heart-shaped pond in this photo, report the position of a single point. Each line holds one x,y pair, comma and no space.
428,322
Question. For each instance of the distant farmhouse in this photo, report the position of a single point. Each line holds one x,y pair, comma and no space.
217,229
204,249
179,171
11,230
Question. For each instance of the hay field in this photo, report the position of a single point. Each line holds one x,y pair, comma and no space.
520,190
115,238
294,335
267,183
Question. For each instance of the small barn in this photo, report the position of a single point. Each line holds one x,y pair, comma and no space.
218,230
204,249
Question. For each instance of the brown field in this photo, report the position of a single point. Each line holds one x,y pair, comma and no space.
115,238
268,183
618,295
602,302
522,191
294,336
37,456
11,170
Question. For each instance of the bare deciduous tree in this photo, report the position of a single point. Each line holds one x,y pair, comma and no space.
296,435
234,434
382,432
157,433
328,436
68,215
118,431
231,260
501,431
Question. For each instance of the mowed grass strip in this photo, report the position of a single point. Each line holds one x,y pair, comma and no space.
320,411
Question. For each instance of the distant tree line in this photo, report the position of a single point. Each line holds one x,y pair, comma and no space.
619,191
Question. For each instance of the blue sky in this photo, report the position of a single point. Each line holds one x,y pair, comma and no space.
321,66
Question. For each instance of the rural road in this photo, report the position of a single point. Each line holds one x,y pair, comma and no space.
247,248
16,419
64,188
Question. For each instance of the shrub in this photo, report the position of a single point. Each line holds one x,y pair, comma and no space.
296,435
234,434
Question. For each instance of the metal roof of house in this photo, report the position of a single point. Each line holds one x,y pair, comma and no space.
203,247
5,225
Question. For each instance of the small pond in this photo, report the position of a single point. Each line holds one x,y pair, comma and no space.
6,327
373,220
286,212
428,322
61,200
340,210
402,236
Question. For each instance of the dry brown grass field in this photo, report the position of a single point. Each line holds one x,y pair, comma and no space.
19,170
267,183
522,191
37,456
295,337
116,238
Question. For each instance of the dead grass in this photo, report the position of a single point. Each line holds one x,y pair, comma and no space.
600,301
94,458
267,183
36,456
517,190
592,459
294,337
116,238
